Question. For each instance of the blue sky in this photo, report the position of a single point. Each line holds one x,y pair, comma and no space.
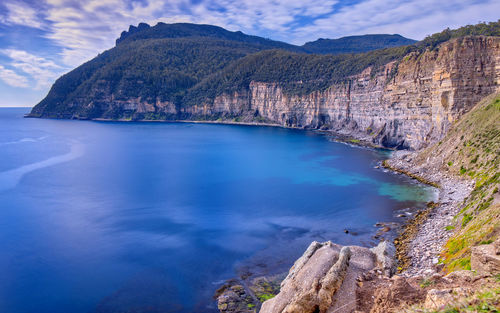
42,39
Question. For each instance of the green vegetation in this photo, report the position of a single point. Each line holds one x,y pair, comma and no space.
472,147
356,44
466,219
265,296
426,283
265,290
481,29
459,264
186,64
297,73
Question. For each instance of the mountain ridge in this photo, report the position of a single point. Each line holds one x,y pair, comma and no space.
346,44
232,76
356,44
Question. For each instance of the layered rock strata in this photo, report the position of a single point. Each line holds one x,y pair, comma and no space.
406,104
407,107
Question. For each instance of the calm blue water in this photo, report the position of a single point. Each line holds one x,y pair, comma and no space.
152,217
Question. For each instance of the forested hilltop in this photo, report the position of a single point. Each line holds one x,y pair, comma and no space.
167,61
203,72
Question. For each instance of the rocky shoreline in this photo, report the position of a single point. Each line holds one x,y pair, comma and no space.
418,245
422,251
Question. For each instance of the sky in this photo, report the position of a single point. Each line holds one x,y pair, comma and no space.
43,39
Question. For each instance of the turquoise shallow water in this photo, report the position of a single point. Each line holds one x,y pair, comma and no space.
152,217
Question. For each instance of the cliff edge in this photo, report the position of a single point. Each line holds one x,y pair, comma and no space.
402,97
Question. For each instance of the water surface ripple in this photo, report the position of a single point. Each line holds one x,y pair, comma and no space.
152,217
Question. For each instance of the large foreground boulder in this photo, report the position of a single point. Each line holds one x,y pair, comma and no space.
312,281
322,280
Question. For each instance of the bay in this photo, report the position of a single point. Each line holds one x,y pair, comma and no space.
153,217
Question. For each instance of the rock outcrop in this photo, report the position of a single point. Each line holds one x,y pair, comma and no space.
485,259
406,105
385,255
438,299
323,279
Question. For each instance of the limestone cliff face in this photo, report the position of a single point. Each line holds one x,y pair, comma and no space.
411,108
408,104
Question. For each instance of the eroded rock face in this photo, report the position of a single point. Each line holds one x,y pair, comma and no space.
485,259
406,105
410,109
312,281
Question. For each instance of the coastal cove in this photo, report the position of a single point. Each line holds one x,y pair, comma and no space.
101,216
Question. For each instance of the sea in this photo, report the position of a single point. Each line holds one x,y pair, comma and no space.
155,216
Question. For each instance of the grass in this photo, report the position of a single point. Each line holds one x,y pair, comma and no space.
459,264
471,150
466,219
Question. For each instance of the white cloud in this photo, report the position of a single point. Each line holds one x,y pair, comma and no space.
43,71
90,26
412,18
87,27
84,28
21,14
13,79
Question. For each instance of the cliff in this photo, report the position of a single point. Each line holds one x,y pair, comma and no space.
408,104
402,97
469,154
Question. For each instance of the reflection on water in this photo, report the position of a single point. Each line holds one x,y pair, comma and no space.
10,178
139,217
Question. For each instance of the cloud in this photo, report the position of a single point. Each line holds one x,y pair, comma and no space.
21,14
83,28
11,78
43,71
87,27
411,18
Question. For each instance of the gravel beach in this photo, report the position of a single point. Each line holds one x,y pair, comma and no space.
424,249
